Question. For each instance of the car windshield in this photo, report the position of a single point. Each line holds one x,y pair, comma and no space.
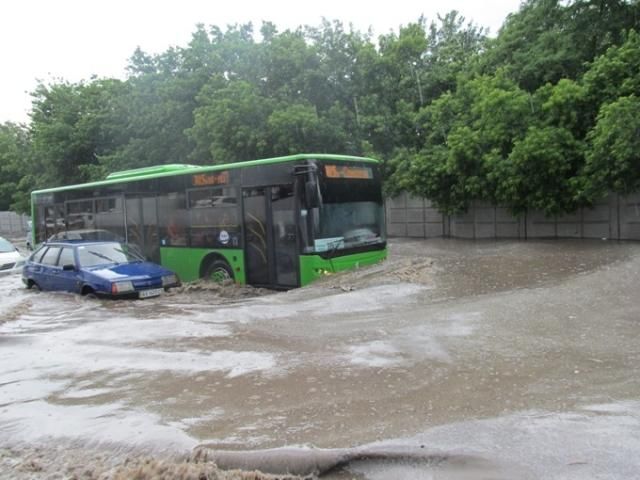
106,254
5,246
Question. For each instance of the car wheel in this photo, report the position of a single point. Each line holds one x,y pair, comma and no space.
219,271
32,285
88,293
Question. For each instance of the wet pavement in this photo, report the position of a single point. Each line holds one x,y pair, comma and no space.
499,359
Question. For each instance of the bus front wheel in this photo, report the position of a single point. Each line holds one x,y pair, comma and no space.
219,271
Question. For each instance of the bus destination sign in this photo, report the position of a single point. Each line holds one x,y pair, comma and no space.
346,171
208,179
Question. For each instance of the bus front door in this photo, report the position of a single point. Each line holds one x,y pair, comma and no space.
270,236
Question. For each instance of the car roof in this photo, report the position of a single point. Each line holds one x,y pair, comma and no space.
75,243
84,230
80,231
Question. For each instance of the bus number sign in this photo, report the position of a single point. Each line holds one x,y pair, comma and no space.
344,171
208,179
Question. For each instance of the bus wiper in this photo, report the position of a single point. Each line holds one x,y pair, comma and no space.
332,252
371,241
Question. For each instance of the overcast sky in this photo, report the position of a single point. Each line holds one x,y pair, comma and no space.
75,39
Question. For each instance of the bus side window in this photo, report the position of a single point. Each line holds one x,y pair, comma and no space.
80,215
214,217
172,216
110,217
40,225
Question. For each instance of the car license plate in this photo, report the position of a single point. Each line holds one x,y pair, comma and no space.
153,292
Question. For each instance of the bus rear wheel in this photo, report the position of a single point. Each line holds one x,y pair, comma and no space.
219,271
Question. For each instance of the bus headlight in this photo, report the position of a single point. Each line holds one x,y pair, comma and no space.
168,280
121,287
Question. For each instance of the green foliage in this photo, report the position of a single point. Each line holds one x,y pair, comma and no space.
534,47
452,48
230,124
15,155
435,175
71,127
468,134
539,172
543,116
613,159
298,128
566,105
616,73
548,40
490,139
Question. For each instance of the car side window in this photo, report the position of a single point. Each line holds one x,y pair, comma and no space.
51,257
37,255
66,257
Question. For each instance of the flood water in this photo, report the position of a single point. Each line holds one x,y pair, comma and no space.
506,359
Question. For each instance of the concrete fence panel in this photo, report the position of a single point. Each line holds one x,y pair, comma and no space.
630,217
614,217
13,224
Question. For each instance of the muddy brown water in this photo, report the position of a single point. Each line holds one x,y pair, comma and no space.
501,359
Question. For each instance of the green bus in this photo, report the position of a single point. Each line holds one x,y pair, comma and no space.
277,223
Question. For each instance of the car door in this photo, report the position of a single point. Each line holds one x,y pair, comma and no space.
33,267
48,278
67,280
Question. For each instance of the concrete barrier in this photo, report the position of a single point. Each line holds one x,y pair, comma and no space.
13,224
614,217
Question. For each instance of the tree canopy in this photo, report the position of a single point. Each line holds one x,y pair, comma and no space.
544,115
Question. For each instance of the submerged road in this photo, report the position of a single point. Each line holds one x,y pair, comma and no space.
501,359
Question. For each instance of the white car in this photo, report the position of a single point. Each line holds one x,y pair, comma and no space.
11,261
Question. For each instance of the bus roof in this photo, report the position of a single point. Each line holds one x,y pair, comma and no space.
169,170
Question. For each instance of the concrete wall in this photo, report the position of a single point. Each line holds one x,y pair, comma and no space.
615,217
13,224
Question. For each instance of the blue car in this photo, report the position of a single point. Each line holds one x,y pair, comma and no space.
97,269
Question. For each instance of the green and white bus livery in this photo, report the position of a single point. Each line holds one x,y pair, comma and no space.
277,223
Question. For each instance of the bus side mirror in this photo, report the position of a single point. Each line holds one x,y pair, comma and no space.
311,194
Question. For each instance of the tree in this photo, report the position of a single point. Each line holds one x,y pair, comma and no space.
594,26
548,40
566,105
15,155
615,73
298,128
613,159
230,123
454,116
540,172
71,128
468,134
453,49
533,47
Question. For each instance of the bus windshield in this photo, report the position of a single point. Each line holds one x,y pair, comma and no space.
350,216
